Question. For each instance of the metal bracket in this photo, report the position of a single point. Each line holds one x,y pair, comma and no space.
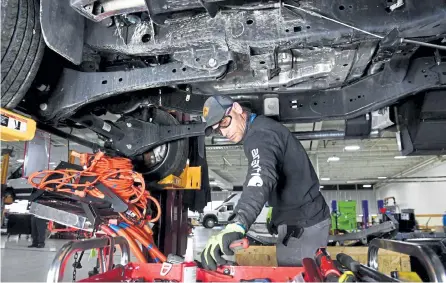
92,214
156,18
63,29
142,136
204,58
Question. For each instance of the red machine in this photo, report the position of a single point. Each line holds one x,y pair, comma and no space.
134,272
320,270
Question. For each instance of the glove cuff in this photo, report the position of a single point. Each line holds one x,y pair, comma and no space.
236,227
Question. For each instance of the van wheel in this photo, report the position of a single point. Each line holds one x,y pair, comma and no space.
209,223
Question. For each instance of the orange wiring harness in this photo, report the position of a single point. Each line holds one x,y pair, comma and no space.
115,173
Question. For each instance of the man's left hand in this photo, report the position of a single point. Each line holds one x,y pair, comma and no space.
217,245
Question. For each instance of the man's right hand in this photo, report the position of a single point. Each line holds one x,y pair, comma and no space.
219,244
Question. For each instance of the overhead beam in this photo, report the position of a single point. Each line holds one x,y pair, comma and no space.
314,144
423,165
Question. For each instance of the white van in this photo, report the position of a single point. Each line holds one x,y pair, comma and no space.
220,216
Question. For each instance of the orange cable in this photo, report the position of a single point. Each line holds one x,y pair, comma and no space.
113,172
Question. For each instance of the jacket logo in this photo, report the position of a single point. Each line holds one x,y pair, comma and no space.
256,179
205,111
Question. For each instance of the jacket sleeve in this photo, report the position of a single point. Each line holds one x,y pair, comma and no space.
264,153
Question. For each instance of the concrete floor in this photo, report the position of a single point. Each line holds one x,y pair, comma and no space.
20,264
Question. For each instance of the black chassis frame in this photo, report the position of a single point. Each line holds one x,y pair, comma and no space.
131,136
399,78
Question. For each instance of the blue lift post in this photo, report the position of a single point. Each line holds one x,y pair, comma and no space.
334,217
365,213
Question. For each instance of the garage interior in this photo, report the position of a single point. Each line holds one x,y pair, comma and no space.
109,174
356,176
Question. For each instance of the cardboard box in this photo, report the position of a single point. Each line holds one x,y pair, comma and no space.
266,256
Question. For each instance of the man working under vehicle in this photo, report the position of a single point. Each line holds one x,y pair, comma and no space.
279,173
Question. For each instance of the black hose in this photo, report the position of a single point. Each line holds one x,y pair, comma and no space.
348,262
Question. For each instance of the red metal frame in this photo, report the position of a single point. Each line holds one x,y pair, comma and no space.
150,272
86,234
58,230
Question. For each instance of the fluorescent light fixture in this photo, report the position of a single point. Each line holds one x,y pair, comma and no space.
333,159
382,177
400,157
51,163
20,160
352,147
367,186
325,179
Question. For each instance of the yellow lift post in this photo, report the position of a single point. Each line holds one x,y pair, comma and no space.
190,179
6,153
13,127
16,127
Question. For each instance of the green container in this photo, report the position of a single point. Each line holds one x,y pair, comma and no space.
345,217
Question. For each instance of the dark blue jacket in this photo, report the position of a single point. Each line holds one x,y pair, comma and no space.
280,172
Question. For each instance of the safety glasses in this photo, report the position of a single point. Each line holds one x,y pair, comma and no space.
224,123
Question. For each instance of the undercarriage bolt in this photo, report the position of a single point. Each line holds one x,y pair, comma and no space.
108,22
43,106
129,125
129,146
212,62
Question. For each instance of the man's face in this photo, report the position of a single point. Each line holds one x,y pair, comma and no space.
236,129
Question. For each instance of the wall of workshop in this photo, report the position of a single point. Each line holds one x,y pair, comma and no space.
356,195
427,198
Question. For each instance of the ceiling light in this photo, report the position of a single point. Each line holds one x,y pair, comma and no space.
51,163
352,147
321,187
20,160
400,157
382,177
367,186
333,158
325,179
